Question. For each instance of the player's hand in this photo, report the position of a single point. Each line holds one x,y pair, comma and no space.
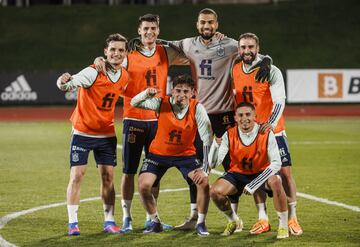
64,78
134,44
219,36
199,176
263,73
265,127
151,92
100,64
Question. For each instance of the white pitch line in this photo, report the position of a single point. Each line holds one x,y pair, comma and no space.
324,142
5,219
327,201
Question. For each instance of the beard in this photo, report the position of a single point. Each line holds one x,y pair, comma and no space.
248,61
206,36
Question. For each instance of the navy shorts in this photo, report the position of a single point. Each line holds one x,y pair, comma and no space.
137,135
104,150
241,180
284,150
158,165
219,124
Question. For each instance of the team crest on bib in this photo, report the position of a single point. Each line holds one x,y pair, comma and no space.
75,157
220,51
132,138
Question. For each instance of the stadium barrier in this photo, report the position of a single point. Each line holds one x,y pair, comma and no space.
302,85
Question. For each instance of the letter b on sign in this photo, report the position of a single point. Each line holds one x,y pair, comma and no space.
330,85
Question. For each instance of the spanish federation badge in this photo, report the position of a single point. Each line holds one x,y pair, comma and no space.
220,51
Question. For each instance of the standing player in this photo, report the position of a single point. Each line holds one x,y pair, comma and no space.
148,67
269,101
93,128
180,117
255,161
211,59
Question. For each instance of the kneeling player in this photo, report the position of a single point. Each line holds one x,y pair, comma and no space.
255,161
180,117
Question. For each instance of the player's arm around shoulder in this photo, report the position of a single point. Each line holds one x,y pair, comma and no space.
85,78
147,100
176,55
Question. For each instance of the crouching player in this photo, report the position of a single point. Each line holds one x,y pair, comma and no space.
255,162
180,117
93,128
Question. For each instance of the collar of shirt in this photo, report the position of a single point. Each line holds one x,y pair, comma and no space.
248,138
211,41
113,74
147,51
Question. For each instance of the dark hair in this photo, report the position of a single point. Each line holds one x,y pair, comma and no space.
245,104
149,18
115,37
208,11
183,79
250,36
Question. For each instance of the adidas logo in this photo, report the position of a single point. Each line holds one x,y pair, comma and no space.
19,90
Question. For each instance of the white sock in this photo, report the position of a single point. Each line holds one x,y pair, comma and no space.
201,218
154,217
126,207
234,207
261,207
283,219
108,212
148,217
193,211
73,213
292,209
230,215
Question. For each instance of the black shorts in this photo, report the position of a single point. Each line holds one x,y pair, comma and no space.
241,180
158,165
284,150
137,135
104,150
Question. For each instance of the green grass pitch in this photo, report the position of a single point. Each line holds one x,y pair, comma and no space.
34,171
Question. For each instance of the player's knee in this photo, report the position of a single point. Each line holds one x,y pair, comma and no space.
275,184
107,177
77,177
144,186
215,192
286,173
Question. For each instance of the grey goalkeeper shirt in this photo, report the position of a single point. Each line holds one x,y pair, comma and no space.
210,67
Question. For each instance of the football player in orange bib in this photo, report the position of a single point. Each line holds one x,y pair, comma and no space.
269,101
180,117
255,162
93,128
147,67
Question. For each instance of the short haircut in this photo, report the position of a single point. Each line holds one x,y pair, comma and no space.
115,37
208,11
149,18
183,79
245,104
250,36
